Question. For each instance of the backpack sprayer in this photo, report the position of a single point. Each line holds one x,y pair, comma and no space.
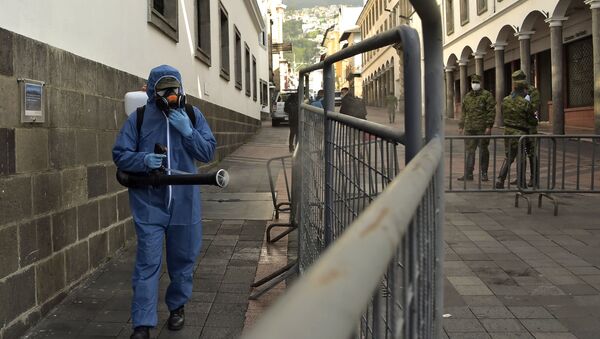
162,176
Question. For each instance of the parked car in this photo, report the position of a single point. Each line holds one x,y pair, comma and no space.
278,115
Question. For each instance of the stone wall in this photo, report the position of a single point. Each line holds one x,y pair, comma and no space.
62,213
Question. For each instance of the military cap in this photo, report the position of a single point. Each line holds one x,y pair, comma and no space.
519,75
475,78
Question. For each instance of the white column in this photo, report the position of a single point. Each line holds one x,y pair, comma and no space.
479,65
556,55
500,81
464,87
450,91
525,49
595,7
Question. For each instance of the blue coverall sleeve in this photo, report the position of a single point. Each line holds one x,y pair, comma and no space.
124,151
201,144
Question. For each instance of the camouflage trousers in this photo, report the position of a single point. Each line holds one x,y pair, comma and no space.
471,146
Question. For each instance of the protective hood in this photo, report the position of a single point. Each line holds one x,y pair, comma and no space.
158,73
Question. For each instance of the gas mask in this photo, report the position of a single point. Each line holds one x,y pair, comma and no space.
475,86
169,98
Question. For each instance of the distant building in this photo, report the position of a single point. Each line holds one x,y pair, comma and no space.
553,41
344,22
353,69
382,68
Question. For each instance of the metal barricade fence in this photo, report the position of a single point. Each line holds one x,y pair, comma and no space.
388,238
362,163
543,164
370,254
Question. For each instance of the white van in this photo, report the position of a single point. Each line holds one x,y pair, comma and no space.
278,115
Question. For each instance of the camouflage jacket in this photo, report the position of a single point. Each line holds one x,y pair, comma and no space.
518,112
478,110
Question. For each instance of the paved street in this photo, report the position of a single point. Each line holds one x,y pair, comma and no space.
508,274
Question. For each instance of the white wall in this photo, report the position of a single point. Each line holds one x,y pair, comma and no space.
117,33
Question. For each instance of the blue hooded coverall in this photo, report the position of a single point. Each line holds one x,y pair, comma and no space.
173,211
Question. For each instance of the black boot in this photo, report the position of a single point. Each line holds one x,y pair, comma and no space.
467,177
176,319
484,176
532,172
141,332
502,176
469,166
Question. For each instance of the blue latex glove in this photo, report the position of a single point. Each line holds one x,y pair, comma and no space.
181,122
153,160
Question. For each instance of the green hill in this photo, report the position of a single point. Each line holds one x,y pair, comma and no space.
296,4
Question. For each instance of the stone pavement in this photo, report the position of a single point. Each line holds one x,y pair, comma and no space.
507,274
513,275
233,234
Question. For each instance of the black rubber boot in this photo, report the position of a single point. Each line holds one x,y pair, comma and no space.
141,332
176,319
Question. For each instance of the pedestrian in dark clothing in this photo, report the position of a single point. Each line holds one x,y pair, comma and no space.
352,105
291,108
318,102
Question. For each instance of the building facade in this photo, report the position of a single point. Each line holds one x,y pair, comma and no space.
382,69
556,43
62,213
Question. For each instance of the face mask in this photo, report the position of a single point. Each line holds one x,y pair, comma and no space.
169,98
475,86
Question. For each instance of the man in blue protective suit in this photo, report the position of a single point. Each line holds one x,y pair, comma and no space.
171,212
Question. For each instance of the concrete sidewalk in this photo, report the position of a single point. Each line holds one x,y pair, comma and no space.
233,232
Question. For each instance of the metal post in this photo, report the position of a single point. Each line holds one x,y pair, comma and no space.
429,12
412,93
329,104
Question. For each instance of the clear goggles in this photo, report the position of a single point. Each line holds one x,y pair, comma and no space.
164,91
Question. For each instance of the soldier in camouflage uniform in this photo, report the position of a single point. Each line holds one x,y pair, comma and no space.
519,117
478,110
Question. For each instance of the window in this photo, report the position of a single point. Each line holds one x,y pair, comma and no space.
481,6
247,70
264,94
580,73
254,94
224,41
262,38
203,30
238,58
449,17
162,14
464,12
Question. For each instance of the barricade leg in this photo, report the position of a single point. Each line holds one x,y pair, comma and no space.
551,198
524,197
